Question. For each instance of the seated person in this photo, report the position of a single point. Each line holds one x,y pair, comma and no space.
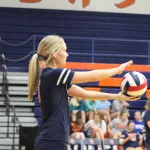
103,107
118,125
146,108
76,108
130,139
138,122
90,109
117,107
77,131
95,128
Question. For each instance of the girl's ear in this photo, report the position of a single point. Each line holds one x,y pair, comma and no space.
54,54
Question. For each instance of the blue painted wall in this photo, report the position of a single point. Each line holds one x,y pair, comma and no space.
17,25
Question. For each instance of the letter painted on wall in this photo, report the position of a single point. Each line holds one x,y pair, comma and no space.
84,2
123,4
119,6
30,1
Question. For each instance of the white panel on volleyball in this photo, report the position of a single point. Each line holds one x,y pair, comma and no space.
127,77
141,78
130,80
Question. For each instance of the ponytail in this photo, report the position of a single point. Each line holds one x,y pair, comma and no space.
33,75
47,46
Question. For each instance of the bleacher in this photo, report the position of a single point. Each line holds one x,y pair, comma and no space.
24,115
119,37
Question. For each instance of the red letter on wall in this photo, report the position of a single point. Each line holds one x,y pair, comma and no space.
125,4
30,1
84,2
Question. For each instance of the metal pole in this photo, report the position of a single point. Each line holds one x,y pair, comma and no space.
8,121
3,69
7,100
14,125
8,114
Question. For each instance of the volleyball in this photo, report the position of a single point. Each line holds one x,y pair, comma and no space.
134,84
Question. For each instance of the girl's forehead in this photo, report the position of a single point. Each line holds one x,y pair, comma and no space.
64,46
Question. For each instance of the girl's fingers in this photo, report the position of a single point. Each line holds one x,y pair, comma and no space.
124,65
129,63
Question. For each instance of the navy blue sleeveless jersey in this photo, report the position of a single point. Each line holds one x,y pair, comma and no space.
54,104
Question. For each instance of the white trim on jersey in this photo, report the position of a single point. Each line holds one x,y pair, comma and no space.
61,75
66,76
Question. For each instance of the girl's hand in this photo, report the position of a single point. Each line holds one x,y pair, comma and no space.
121,96
122,67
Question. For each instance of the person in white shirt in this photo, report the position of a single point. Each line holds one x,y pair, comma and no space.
96,127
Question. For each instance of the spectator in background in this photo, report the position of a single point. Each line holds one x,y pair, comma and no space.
95,128
146,108
103,108
117,107
147,125
130,139
118,125
138,122
90,108
77,131
76,107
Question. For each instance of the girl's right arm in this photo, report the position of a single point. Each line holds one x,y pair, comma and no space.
97,75
124,141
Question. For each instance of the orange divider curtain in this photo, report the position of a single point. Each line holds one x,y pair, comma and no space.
92,89
111,82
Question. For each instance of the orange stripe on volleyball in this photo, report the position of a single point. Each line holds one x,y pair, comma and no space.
140,87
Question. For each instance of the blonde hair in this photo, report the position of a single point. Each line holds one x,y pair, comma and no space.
74,102
47,46
124,112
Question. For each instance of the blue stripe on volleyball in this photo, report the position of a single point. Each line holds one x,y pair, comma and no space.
135,77
125,90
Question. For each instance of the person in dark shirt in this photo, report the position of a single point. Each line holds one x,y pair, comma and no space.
130,139
147,125
55,85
